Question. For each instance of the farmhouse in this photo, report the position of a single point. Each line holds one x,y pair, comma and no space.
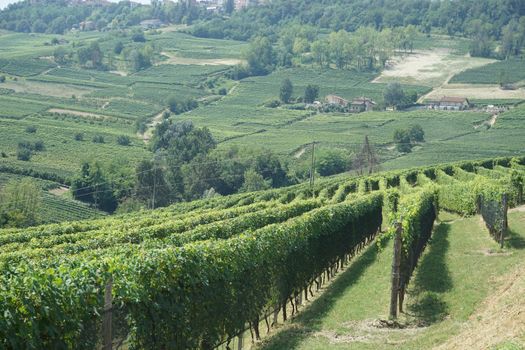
357,105
450,104
336,100
361,104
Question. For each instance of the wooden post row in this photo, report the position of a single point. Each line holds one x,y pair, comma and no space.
505,205
107,322
396,266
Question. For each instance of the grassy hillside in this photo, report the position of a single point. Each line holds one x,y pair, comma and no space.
461,273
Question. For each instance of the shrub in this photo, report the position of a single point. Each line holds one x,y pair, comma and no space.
223,91
23,153
31,129
138,37
119,46
123,140
2,78
98,139
39,146
179,106
79,136
3,154
272,103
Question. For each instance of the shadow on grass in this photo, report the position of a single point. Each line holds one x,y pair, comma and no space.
514,240
310,318
432,279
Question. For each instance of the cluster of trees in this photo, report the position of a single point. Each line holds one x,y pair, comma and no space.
405,139
20,202
395,96
311,93
186,166
58,16
364,49
138,56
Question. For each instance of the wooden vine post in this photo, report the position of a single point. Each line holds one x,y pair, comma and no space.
396,266
505,206
107,323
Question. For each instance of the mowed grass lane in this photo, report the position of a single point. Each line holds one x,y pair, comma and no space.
459,269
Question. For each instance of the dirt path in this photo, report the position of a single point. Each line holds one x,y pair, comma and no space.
500,318
156,120
59,191
489,123
300,152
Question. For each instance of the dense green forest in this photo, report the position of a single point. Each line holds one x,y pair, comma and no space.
485,21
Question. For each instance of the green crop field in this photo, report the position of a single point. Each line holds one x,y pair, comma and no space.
63,101
509,71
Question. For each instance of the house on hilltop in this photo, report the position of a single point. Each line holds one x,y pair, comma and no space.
447,103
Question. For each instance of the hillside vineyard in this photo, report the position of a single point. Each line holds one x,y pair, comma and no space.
196,274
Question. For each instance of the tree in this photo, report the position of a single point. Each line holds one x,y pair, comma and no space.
260,56
402,141
20,203
331,163
416,133
92,186
119,46
321,52
60,55
123,140
311,93
138,37
23,153
2,78
286,90
139,60
253,181
394,94
229,6
366,158
151,186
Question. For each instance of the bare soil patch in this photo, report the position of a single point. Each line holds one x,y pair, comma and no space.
429,67
46,89
59,191
174,59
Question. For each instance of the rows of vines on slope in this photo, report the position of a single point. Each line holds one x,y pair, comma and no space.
153,236
180,297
